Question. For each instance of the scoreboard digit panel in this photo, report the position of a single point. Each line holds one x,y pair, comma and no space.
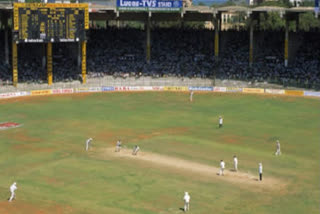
34,22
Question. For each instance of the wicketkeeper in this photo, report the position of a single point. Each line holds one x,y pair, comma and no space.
136,148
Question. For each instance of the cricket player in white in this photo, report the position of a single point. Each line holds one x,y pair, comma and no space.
118,146
235,161
13,188
191,96
88,143
220,122
278,152
186,199
222,166
136,148
260,171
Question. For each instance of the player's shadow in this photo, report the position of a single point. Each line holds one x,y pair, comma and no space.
181,209
232,170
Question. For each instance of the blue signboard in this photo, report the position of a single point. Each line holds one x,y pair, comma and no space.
149,5
316,6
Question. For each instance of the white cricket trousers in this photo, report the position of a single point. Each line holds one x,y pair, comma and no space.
221,171
13,195
186,206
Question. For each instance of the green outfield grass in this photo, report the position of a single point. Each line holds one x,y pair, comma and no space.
55,174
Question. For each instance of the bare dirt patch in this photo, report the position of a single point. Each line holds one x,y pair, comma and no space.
26,147
239,178
23,137
232,139
53,181
21,207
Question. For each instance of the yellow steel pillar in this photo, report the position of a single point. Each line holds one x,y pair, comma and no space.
216,37
84,62
49,63
286,43
148,48
14,63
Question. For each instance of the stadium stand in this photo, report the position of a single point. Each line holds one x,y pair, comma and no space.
178,52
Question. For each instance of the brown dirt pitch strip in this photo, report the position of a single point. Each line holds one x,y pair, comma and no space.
238,178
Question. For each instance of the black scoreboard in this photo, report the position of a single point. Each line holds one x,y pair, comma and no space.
38,22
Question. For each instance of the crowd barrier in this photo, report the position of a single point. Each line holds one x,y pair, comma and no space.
159,88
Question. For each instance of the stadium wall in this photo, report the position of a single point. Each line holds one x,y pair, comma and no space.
207,89
143,81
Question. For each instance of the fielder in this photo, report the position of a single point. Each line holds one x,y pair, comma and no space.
278,152
235,162
222,166
186,199
118,146
220,122
191,96
13,188
260,171
88,143
136,149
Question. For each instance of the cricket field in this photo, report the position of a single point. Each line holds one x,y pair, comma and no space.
181,147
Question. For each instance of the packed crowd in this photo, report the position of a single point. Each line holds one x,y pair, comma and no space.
176,52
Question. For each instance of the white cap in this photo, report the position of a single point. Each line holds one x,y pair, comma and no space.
260,163
186,193
14,183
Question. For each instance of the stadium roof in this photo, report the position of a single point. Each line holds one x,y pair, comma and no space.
99,11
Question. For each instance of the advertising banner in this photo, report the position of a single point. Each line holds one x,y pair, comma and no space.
22,93
312,93
147,88
232,89
175,88
220,89
157,88
107,88
62,91
294,92
8,95
41,92
80,90
200,88
135,88
253,90
274,91
121,88
149,5
94,89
